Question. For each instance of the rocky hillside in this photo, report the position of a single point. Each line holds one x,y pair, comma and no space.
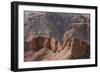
56,36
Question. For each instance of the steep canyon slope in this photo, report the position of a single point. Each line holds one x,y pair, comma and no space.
56,36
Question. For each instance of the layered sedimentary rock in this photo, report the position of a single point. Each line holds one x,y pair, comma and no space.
56,36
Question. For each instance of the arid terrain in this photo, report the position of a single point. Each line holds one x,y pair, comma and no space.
56,36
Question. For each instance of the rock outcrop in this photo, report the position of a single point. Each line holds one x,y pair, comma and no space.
71,48
56,36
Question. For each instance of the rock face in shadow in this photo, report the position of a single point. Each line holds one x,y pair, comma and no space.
79,49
